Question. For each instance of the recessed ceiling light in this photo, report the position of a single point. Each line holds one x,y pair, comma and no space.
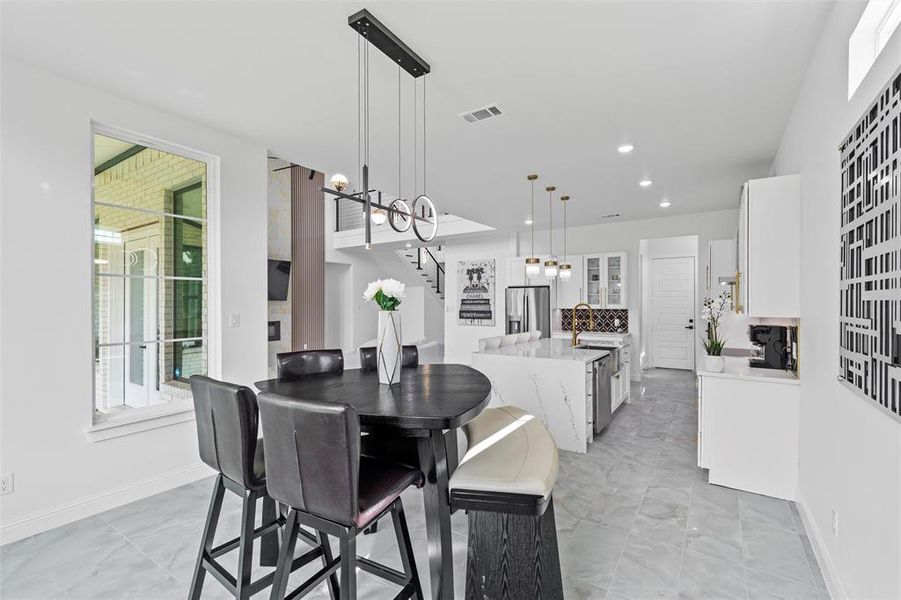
665,204
645,183
528,221
409,244
625,148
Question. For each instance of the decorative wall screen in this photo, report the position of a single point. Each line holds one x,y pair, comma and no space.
870,296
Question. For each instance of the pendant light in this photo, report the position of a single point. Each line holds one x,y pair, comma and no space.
550,265
533,265
566,269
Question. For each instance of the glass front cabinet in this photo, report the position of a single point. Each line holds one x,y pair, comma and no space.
604,278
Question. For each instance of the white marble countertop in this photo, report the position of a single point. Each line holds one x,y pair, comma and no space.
549,348
587,336
738,368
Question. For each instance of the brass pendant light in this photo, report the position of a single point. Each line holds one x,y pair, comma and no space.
566,269
550,265
533,264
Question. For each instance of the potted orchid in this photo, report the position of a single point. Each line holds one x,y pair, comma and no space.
387,294
714,309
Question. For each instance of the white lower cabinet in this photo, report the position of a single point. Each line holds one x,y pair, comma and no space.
619,385
748,434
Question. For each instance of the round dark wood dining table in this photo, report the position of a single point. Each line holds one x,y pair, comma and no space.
429,400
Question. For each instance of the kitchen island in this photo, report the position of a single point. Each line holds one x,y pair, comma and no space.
549,379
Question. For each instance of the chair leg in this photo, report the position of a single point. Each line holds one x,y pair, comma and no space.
285,558
405,547
269,544
332,582
349,566
245,550
209,532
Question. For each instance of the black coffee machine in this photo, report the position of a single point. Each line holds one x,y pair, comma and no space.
771,347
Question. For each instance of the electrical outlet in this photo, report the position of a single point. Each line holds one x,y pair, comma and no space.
834,522
304,346
7,484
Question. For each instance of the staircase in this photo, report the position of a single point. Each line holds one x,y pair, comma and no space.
429,263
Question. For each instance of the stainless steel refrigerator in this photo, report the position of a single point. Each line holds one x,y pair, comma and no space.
529,309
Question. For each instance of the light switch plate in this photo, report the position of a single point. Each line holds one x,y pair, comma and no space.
234,320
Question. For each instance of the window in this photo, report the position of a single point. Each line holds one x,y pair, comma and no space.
150,275
877,24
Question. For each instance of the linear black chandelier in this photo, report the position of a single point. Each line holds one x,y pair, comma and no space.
421,215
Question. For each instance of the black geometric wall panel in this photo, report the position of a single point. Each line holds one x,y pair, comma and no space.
870,295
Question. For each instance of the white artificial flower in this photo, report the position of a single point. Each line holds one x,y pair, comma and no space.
372,289
393,288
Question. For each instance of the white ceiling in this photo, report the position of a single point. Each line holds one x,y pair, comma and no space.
702,90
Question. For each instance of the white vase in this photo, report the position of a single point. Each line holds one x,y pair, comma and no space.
714,364
389,347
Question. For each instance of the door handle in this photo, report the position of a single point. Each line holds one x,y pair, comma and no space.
689,327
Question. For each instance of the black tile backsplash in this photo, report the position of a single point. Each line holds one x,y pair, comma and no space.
604,319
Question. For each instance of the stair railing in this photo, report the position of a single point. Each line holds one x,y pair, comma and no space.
426,261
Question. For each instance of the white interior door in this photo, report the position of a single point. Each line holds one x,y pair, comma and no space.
673,312
141,250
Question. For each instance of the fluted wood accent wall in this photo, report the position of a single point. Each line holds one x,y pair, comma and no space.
308,255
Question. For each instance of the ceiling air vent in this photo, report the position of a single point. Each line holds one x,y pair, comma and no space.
610,216
481,114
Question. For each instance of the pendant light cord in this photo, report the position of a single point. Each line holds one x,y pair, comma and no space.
399,140
359,114
532,218
564,232
425,189
550,223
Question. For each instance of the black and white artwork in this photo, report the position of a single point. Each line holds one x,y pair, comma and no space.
476,280
870,294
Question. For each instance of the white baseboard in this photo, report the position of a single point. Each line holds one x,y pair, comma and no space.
98,503
830,573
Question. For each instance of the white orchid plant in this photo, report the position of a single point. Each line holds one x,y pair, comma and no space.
387,293
714,309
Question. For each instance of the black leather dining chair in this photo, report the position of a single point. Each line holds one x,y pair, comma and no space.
293,365
315,468
369,357
227,419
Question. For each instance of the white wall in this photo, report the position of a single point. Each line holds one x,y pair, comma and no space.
424,308
45,273
850,452
460,341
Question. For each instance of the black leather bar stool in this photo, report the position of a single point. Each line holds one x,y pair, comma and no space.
293,365
227,426
369,357
315,468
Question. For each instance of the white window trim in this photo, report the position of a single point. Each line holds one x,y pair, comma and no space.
104,427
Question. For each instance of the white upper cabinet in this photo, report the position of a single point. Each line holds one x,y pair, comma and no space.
615,280
605,280
769,250
570,291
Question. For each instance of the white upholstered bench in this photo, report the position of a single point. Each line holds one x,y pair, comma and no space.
505,483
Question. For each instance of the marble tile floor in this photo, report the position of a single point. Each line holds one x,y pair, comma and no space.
635,518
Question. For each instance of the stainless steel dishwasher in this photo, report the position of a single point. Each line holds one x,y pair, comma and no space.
601,374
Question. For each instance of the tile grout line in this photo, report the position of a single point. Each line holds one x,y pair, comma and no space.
140,551
741,535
